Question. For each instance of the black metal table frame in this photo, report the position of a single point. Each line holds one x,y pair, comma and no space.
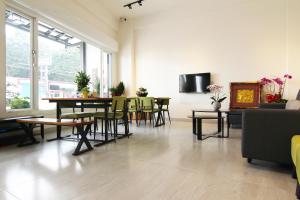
219,117
160,121
101,103
201,136
29,138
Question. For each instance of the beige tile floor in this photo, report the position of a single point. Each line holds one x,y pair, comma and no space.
160,163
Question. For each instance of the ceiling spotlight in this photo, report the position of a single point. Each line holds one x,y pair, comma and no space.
129,5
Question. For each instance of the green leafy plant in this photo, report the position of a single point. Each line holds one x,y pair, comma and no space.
19,103
142,92
82,80
118,90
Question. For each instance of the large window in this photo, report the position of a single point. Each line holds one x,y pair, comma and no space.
42,60
18,61
98,67
93,67
59,60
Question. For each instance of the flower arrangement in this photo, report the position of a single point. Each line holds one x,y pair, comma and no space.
218,96
274,88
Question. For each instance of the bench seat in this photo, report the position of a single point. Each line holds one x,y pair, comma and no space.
29,123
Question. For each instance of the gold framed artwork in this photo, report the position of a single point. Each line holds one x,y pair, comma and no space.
244,95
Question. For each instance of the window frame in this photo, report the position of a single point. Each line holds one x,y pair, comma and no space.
31,59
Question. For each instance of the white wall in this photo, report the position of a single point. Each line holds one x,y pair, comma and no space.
235,40
294,46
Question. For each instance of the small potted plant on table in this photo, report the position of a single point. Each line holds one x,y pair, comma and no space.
142,92
82,80
118,90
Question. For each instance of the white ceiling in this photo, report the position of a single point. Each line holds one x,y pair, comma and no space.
149,7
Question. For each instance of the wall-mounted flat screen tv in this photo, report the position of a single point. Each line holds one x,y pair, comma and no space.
194,83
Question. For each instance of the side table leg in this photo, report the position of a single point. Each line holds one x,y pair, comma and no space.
199,129
194,126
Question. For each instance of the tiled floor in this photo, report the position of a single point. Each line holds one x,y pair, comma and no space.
155,163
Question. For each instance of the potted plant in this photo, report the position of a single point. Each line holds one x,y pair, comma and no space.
85,92
82,80
142,92
218,97
274,88
118,90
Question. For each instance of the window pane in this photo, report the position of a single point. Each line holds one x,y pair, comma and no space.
93,67
59,61
18,61
106,73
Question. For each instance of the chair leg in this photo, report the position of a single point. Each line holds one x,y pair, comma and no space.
130,117
101,126
95,127
145,118
153,117
136,118
150,118
169,116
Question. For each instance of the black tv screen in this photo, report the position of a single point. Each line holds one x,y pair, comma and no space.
194,83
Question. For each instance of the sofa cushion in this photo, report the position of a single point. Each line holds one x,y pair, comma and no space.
293,105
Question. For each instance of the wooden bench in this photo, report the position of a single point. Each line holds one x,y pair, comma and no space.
10,124
28,125
198,131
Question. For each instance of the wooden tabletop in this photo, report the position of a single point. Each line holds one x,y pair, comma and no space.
53,121
77,99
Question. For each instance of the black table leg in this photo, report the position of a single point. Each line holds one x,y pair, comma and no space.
28,136
199,129
194,123
83,139
219,121
58,128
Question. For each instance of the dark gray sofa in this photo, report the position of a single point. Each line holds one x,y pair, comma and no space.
267,133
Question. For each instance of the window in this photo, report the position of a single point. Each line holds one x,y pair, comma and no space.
59,57
106,73
59,60
93,67
18,61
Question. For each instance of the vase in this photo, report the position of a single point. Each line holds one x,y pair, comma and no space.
85,95
216,105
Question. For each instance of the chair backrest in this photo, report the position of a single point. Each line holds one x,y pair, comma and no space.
118,103
165,101
133,104
147,102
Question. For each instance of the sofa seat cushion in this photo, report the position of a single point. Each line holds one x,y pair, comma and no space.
293,105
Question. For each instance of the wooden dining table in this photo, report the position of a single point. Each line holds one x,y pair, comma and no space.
82,103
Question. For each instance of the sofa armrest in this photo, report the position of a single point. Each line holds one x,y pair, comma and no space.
267,133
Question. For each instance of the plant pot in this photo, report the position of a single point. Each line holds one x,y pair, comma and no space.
85,95
216,105
142,95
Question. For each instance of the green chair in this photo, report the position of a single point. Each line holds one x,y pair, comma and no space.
73,115
117,112
147,108
134,108
165,107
